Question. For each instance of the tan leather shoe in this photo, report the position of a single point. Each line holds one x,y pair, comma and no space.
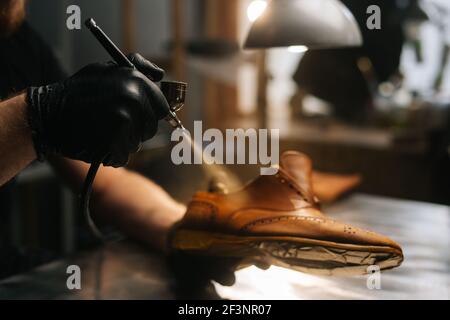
277,220
329,187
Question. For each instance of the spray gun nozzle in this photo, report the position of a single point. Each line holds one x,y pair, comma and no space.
174,121
175,94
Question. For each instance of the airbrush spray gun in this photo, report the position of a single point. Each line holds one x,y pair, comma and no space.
174,93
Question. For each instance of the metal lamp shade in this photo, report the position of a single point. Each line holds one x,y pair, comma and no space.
315,24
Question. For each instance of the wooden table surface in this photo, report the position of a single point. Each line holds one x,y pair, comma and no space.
125,270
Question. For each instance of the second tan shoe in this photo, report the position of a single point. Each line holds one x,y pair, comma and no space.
329,187
277,220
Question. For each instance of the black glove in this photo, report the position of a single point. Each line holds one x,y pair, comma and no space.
103,112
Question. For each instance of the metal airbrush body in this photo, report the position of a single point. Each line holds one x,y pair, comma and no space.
173,91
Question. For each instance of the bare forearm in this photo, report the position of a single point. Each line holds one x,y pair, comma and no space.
140,208
134,204
16,146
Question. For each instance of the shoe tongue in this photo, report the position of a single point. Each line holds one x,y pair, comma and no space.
299,167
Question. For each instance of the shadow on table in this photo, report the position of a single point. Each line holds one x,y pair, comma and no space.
193,274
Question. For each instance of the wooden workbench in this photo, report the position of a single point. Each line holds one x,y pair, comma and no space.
130,271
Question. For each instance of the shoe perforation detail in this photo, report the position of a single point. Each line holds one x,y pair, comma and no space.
283,180
284,218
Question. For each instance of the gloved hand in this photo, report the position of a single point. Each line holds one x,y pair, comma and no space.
104,111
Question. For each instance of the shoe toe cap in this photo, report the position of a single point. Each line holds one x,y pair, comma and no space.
324,229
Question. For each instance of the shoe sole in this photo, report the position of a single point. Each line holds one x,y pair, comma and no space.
301,254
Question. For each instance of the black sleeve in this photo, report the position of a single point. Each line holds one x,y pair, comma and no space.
51,68
46,67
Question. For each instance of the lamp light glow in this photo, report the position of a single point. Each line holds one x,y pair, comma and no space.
298,49
256,9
